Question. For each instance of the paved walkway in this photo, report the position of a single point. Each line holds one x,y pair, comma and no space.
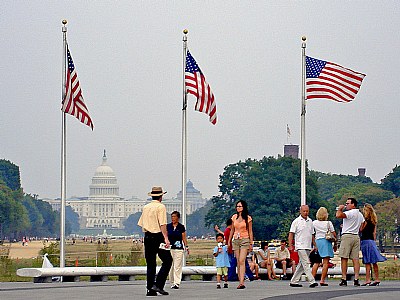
194,290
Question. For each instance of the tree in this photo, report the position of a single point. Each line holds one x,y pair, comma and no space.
13,215
195,221
270,186
388,213
329,184
35,216
21,214
131,225
391,182
71,220
364,193
51,224
9,172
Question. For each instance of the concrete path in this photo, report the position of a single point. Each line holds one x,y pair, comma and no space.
113,290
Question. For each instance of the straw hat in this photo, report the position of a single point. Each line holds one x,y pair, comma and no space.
156,191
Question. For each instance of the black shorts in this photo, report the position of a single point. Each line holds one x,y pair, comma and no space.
289,263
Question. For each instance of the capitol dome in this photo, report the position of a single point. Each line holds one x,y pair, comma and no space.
104,169
104,182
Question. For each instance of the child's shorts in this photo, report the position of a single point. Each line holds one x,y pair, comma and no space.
222,271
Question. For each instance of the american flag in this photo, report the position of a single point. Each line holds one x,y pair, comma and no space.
196,84
73,102
326,80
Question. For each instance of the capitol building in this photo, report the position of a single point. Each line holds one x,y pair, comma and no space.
105,209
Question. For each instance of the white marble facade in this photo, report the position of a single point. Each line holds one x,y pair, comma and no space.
104,208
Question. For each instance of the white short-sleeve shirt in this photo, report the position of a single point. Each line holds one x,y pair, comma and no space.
353,221
321,227
303,231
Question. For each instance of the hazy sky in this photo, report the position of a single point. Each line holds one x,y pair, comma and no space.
128,56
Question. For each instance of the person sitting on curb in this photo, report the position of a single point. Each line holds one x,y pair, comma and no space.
265,261
283,260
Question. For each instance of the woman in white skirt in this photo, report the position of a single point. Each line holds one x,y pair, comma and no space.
325,249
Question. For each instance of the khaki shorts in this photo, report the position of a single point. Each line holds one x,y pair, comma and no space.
349,246
222,271
239,244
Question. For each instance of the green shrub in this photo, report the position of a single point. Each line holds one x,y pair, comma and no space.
53,251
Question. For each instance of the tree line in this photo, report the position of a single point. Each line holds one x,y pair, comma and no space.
22,214
271,186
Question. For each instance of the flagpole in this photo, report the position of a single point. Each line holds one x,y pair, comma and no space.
303,122
63,153
184,136
287,134
184,132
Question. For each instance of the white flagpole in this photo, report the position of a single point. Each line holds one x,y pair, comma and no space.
184,133
303,122
184,136
63,152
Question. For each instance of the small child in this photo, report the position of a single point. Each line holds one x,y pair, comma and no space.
222,260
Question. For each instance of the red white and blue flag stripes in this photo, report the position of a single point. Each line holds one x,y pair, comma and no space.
73,102
197,85
326,80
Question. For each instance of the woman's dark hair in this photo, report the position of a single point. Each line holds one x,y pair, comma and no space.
245,212
176,213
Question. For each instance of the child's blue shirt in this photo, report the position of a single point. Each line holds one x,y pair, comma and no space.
222,259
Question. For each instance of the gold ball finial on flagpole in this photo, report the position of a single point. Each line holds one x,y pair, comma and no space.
64,22
303,38
185,31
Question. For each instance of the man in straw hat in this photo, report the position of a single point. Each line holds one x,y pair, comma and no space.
154,225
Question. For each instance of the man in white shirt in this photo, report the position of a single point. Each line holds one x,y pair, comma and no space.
350,241
302,230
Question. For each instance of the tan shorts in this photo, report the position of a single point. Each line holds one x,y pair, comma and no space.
349,246
239,244
222,271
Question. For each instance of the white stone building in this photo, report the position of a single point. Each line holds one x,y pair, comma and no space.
105,209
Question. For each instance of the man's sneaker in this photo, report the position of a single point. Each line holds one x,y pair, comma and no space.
356,282
160,291
225,285
151,293
284,277
175,287
313,285
295,285
343,282
218,286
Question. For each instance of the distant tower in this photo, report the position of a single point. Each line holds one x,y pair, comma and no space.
291,151
362,171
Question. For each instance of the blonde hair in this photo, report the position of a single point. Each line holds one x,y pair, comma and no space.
369,214
322,214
